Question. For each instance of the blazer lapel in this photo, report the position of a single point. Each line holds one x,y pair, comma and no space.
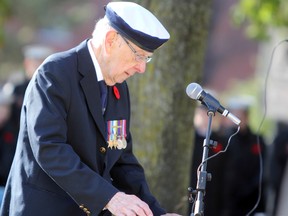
90,87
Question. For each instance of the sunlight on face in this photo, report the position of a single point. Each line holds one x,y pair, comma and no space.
123,64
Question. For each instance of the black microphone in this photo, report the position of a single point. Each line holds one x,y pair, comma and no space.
196,92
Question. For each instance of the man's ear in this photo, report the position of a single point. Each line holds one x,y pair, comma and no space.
110,40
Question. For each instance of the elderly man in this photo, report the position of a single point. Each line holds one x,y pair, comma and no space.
74,153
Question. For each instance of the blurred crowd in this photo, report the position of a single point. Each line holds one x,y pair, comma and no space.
237,186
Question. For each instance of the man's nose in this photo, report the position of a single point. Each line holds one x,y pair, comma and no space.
141,67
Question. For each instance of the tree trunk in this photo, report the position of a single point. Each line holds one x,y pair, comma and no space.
162,113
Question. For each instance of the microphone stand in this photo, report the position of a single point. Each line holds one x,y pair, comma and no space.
203,176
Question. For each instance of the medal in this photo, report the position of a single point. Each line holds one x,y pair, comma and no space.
124,142
119,144
110,144
116,134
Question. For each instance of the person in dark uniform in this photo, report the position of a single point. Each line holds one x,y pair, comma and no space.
34,55
74,152
241,173
8,138
212,199
277,166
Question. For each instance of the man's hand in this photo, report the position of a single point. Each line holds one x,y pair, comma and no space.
123,204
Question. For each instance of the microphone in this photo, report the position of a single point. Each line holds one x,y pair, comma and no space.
196,92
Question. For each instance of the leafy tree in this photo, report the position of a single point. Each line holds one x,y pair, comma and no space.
5,11
260,15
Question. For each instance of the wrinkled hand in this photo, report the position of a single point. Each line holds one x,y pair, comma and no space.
123,204
171,214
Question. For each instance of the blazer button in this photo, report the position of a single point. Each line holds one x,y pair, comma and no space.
103,150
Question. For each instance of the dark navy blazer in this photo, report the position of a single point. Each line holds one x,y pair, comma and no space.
62,166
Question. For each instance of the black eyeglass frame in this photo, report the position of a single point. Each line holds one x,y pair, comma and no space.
138,57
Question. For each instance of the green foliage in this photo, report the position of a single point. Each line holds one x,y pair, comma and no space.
51,12
5,11
50,22
259,15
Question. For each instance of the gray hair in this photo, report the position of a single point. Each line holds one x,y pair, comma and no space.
100,30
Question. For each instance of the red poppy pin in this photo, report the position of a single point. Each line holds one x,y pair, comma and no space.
8,137
116,92
255,149
218,148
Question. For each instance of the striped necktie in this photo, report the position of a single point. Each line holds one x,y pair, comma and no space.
104,92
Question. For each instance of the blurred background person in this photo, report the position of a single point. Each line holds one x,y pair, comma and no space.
282,197
277,165
33,55
8,138
241,170
212,198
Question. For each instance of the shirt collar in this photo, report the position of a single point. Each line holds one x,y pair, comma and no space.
95,62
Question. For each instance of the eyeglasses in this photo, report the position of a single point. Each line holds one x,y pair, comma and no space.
138,57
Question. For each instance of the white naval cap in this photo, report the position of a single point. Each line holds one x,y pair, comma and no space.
37,51
241,102
6,98
136,24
